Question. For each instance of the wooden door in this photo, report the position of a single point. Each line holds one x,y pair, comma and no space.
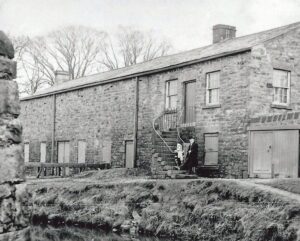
286,153
129,154
106,152
211,149
43,152
63,152
261,153
81,151
189,104
26,152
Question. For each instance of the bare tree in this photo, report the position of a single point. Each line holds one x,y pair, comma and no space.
30,76
131,46
73,49
81,51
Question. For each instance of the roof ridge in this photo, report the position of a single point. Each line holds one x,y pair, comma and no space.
199,48
174,60
194,49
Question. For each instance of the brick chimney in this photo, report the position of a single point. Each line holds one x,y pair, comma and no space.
223,32
61,76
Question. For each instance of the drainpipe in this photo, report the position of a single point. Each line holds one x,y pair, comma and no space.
53,128
136,112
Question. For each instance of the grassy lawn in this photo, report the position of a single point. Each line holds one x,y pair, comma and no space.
291,185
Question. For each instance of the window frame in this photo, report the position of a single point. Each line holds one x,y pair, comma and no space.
207,90
278,103
169,96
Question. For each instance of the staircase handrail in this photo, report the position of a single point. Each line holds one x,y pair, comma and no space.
157,133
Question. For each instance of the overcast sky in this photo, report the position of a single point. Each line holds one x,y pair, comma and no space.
186,23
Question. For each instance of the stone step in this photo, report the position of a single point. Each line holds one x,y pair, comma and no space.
168,168
167,163
162,145
169,135
173,172
168,139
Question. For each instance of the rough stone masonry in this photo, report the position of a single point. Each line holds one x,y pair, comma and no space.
14,211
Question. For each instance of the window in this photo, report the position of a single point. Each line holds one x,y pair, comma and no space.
281,87
212,88
171,95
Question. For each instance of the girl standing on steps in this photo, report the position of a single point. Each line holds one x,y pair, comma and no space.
180,153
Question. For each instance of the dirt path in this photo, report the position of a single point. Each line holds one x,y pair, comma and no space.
256,183
260,185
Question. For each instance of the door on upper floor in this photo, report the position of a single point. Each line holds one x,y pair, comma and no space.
189,102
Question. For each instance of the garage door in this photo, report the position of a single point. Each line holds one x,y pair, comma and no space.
274,153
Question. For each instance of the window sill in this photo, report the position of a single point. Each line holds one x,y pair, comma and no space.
211,106
278,106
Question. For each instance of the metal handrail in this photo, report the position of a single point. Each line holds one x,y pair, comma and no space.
153,126
178,123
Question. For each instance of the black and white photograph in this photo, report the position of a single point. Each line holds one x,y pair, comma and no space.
149,120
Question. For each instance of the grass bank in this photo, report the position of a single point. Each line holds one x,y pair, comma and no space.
201,209
290,185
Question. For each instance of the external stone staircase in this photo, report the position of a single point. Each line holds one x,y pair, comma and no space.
164,158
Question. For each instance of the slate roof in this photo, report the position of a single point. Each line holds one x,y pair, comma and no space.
231,46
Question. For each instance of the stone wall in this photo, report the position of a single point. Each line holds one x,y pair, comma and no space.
229,119
100,116
14,208
105,114
283,53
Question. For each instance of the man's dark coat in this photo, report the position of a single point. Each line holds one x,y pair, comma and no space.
191,158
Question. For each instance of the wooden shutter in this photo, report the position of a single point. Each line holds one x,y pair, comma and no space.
26,152
106,152
63,152
129,157
81,151
43,152
211,149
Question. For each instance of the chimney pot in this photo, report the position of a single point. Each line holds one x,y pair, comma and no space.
223,32
61,76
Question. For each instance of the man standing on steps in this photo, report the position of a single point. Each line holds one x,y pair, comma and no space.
191,158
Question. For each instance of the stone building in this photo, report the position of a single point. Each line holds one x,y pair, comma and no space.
132,117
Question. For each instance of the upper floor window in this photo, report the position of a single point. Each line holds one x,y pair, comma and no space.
281,87
212,88
171,95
